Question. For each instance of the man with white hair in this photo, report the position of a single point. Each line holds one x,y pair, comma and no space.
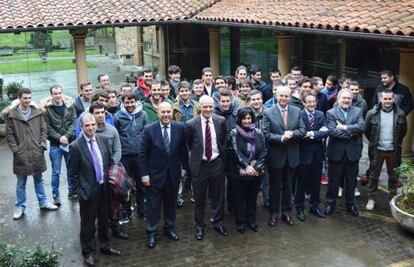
346,126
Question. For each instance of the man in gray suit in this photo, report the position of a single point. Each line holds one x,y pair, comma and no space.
346,126
206,136
283,128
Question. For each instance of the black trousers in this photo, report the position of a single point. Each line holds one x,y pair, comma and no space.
211,179
165,196
97,207
343,169
280,177
244,199
309,181
130,163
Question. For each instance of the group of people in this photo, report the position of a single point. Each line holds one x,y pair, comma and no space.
226,137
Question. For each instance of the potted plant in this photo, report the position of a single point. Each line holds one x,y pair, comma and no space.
12,90
402,205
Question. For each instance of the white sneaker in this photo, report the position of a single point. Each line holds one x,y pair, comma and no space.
370,204
49,206
340,192
18,213
357,193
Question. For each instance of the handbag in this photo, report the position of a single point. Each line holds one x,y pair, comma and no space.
120,182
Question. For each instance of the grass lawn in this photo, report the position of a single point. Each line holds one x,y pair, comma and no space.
36,66
64,53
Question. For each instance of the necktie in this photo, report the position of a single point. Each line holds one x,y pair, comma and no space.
208,148
96,164
311,120
284,115
166,139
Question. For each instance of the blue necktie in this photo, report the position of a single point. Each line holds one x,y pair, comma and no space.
166,139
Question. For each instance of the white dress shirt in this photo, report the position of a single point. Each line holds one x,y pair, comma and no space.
215,151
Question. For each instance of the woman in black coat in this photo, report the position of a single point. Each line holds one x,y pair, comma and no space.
248,150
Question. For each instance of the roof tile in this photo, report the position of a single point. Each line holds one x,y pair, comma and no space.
374,16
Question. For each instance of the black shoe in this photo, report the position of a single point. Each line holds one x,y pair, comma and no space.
253,227
221,230
199,234
353,210
288,220
317,212
111,251
118,232
151,241
180,202
90,260
300,215
72,196
241,228
170,233
329,209
266,204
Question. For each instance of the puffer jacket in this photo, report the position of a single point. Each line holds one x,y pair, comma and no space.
56,125
130,128
26,139
373,128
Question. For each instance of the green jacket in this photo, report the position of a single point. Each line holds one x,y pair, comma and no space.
56,126
151,110
178,115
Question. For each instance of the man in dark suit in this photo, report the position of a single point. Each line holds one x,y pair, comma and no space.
311,157
346,126
283,128
162,155
89,160
206,137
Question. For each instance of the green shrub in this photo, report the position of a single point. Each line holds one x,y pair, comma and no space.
11,256
406,172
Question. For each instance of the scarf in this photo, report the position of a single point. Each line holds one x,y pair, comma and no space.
248,134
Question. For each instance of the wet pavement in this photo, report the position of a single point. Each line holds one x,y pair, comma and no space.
372,239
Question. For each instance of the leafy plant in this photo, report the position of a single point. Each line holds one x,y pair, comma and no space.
11,256
13,88
406,172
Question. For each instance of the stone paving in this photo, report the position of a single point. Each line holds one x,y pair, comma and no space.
372,239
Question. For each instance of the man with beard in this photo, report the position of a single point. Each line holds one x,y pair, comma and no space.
275,78
151,103
144,81
402,94
130,121
256,79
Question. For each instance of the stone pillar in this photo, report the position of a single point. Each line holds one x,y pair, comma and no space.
406,76
214,45
162,52
79,36
284,53
139,51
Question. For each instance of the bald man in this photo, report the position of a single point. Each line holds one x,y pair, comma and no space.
206,136
162,155
89,160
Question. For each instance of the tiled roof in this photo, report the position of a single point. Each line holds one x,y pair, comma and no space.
394,17
23,14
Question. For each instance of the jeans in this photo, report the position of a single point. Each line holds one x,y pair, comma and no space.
21,190
56,154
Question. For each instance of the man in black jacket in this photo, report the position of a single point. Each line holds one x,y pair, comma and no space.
386,126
